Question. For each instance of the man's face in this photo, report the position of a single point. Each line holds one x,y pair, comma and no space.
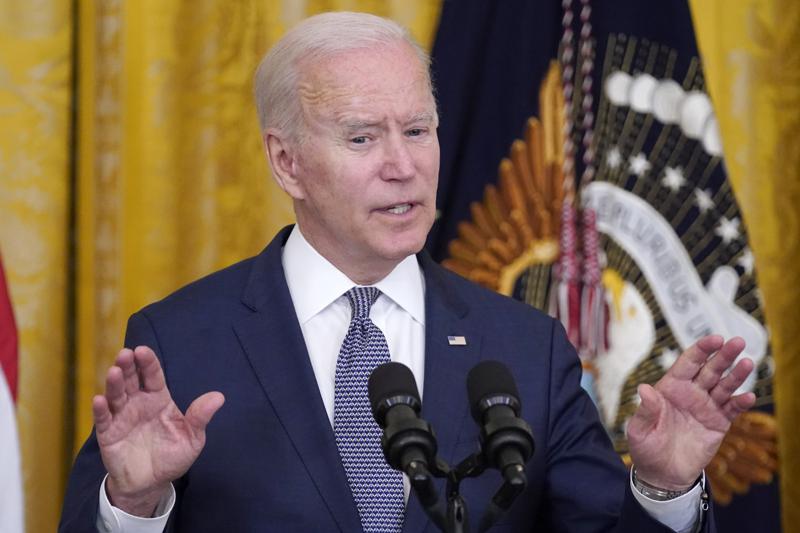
368,162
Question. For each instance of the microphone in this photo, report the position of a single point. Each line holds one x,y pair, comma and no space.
506,439
408,442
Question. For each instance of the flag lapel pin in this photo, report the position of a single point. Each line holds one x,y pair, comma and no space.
456,340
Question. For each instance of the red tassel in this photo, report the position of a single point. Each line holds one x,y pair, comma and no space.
565,300
593,305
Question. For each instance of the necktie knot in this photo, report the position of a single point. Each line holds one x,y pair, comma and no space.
361,300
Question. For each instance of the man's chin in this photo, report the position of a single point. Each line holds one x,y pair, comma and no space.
412,239
402,248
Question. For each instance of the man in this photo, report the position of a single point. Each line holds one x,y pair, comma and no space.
349,125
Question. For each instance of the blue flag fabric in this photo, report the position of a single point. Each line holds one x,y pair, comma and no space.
489,60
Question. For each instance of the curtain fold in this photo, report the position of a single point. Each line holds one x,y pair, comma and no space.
172,179
35,96
169,183
751,55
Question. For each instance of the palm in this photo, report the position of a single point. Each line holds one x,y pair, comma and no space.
145,441
150,439
683,419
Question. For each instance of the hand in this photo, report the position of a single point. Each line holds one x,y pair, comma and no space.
681,421
145,441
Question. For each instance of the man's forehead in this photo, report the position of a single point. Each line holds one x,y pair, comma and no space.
362,103
361,73
357,94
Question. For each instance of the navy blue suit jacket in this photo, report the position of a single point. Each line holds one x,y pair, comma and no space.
270,462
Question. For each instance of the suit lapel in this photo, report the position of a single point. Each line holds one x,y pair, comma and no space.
273,342
444,396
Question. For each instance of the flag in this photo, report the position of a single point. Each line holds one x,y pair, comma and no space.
11,507
582,172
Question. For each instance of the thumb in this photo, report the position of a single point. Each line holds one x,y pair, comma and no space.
202,409
650,409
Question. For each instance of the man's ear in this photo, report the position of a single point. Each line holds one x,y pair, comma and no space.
282,154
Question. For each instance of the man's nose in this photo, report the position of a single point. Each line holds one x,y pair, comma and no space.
398,159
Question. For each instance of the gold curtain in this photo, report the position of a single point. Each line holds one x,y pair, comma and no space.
170,181
35,92
751,55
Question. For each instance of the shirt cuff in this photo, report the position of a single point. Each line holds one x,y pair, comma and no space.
680,514
111,519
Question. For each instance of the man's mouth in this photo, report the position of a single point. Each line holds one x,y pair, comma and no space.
398,209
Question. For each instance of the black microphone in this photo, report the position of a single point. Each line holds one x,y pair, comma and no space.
408,441
506,439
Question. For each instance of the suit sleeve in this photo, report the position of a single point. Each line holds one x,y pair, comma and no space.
588,487
79,512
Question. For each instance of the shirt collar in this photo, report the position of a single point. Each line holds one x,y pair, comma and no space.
314,283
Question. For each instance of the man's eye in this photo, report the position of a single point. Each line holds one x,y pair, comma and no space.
362,139
415,132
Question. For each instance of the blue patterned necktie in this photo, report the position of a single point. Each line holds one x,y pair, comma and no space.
377,488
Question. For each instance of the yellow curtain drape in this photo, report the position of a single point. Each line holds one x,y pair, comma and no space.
156,151
35,93
751,56
172,179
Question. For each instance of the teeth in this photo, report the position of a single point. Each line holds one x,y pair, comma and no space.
399,209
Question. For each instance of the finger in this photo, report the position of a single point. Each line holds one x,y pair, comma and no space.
692,360
728,385
149,369
739,404
115,389
650,407
202,409
712,371
101,413
125,362
649,410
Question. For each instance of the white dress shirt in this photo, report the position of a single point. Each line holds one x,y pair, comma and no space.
317,289
323,311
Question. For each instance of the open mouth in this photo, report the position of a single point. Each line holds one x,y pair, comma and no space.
398,209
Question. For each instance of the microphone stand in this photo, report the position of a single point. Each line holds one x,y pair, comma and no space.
422,484
450,519
455,518
502,499
457,515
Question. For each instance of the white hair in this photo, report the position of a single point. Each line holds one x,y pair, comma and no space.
315,38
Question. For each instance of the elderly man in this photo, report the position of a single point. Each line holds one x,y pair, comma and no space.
286,340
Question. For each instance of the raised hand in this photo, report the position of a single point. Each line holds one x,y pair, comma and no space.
682,420
145,441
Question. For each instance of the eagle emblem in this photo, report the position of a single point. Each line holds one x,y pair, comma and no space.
641,259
